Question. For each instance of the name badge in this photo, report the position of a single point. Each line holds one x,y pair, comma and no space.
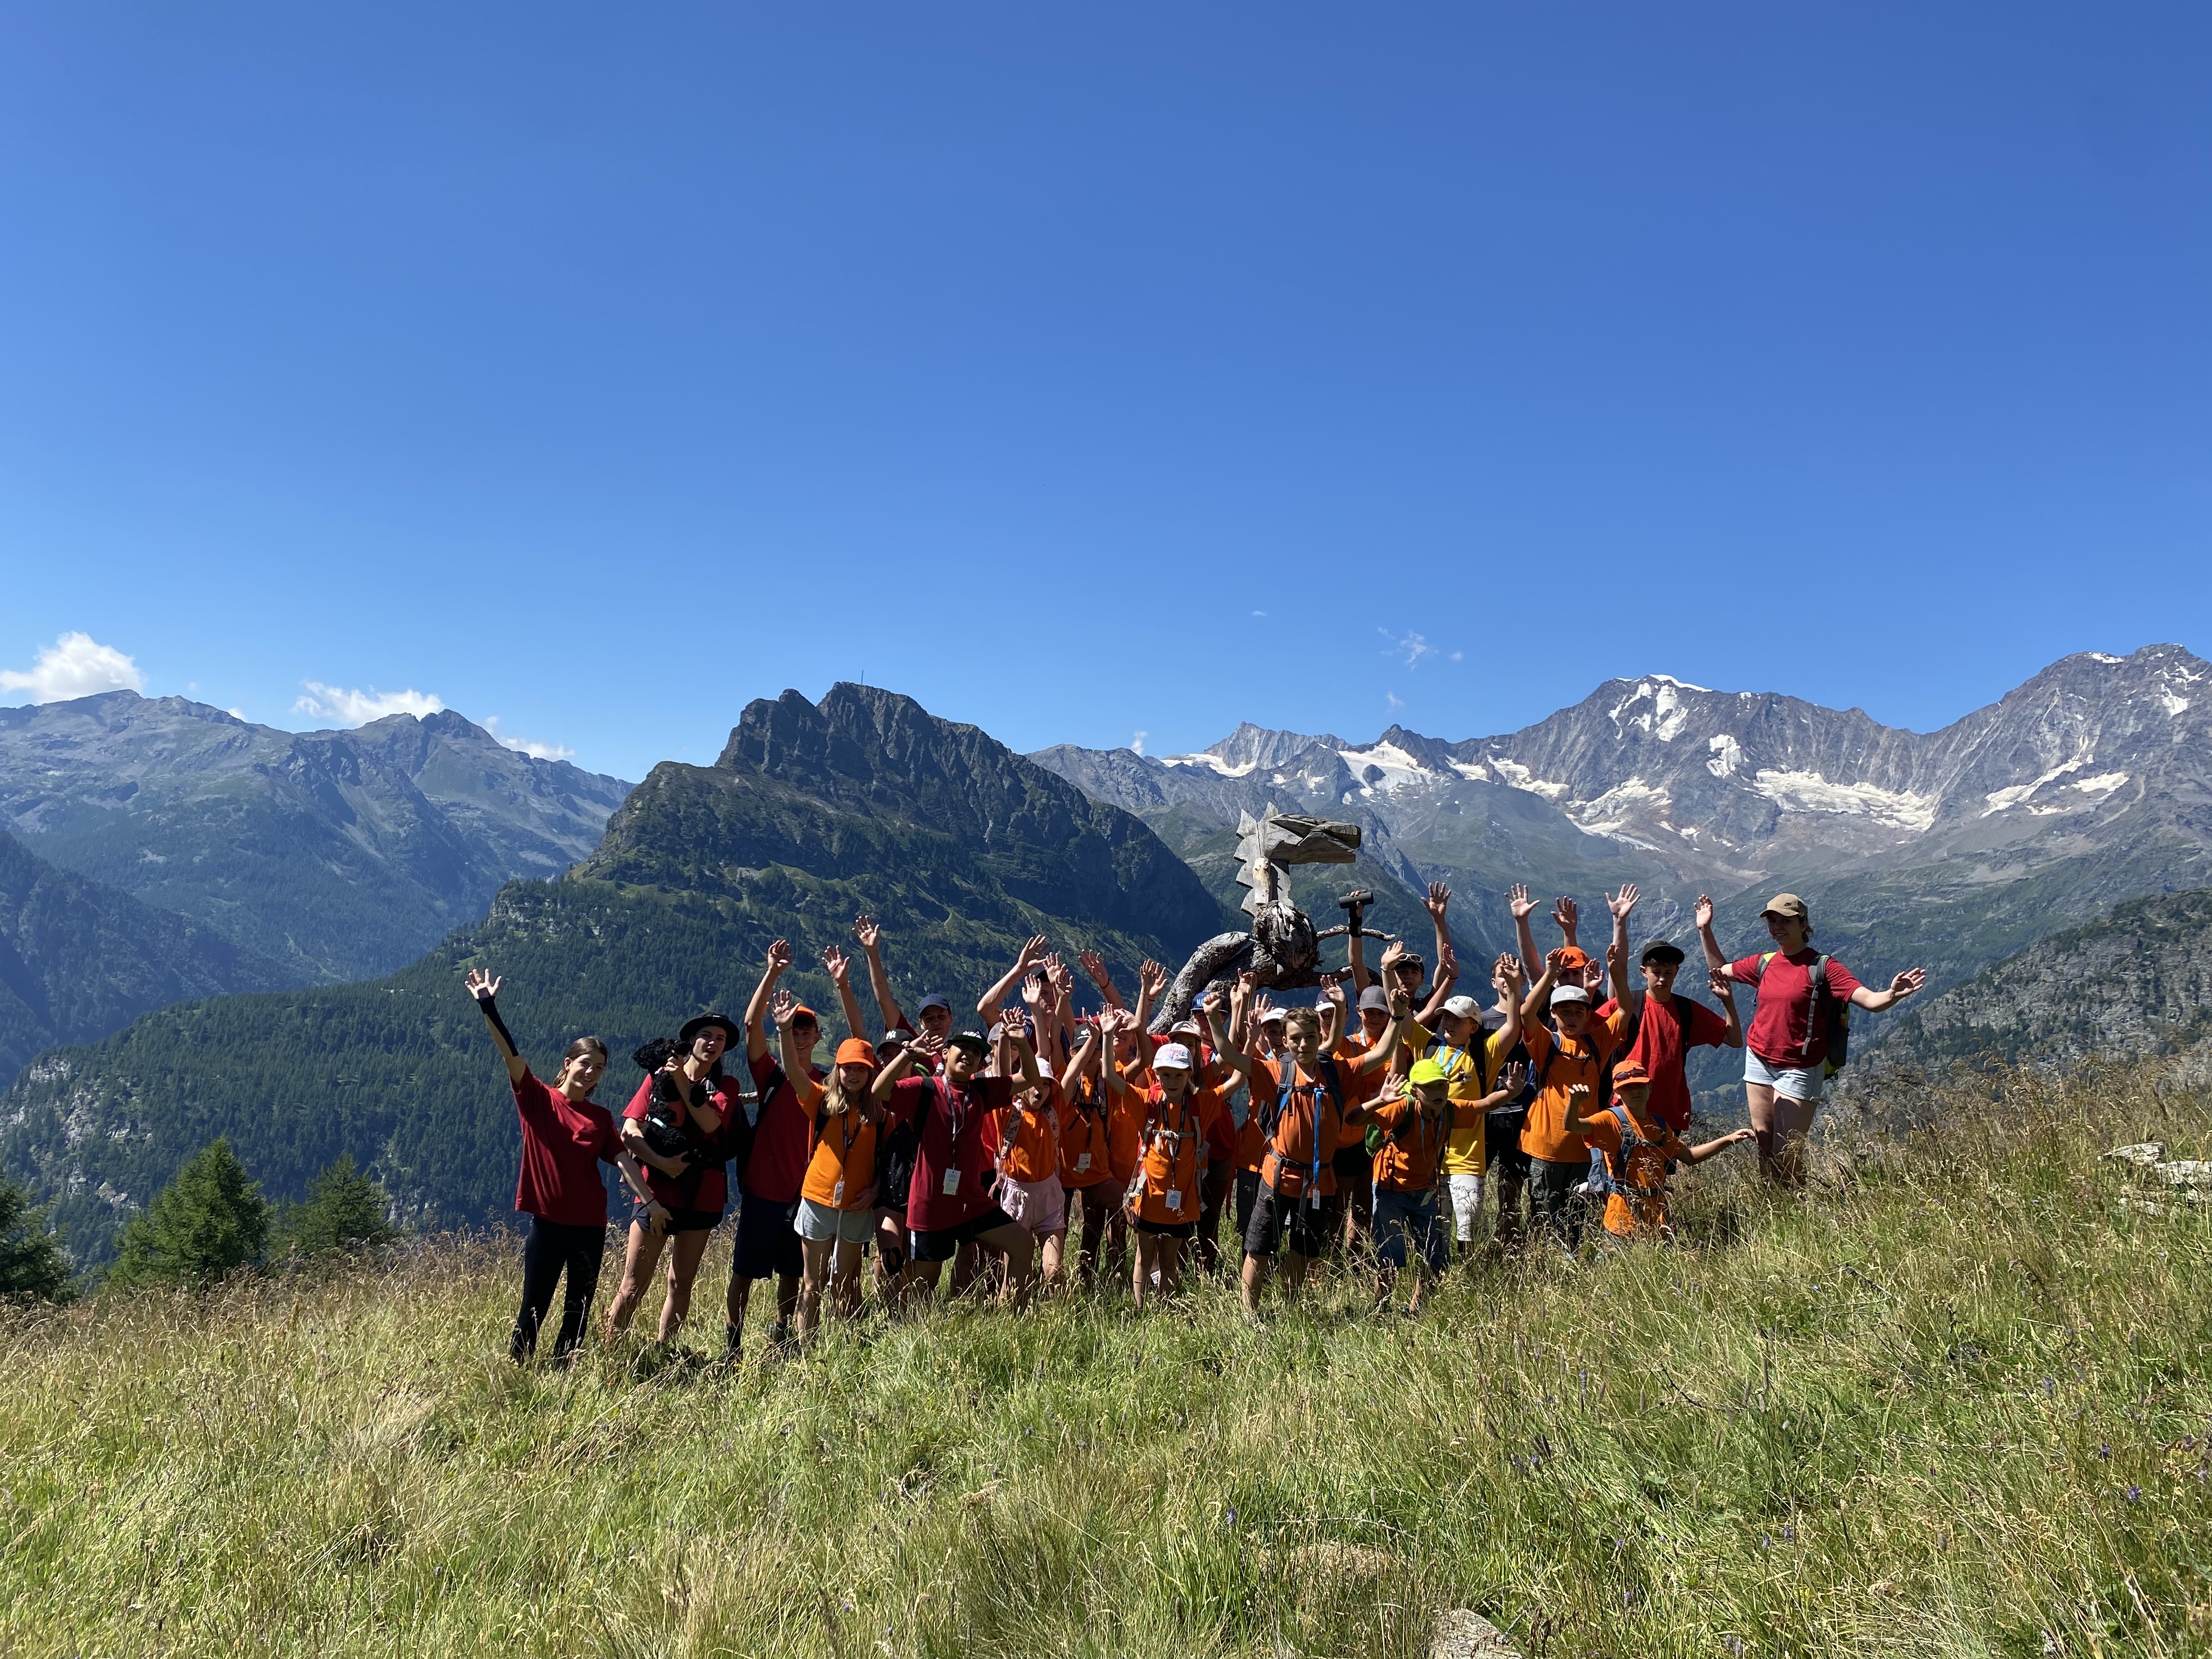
1175,1198
1313,1200
1082,1160
837,1194
951,1182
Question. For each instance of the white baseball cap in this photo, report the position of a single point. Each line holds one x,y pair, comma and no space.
1569,994
1171,1054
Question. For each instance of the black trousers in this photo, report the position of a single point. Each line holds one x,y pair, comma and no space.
551,1250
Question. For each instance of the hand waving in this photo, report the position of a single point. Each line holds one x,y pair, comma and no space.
867,934
1518,901
1438,901
779,956
1622,903
838,965
1564,916
1703,915
481,985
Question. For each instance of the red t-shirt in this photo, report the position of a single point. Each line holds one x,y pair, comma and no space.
713,1192
563,1144
969,1146
1785,1006
1659,1049
782,1141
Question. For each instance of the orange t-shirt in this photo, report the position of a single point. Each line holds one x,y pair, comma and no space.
1310,1125
841,1165
1170,1138
1033,1151
1414,1143
1086,1137
1545,1135
1641,1212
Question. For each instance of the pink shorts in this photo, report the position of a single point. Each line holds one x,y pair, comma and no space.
1039,1206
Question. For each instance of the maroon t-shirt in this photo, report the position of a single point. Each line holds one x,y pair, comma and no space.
969,1145
713,1193
563,1144
784,1139
1785,1006
1660,1051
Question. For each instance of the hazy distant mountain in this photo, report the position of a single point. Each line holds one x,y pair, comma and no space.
813,813
333,855
78,960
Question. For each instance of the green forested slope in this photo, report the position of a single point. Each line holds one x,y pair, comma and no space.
866,804
78,959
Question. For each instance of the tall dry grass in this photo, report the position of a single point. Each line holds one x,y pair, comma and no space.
1952,1400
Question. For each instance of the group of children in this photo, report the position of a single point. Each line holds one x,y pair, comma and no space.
1368,1126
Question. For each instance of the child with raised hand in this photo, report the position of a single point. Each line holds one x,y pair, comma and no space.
1408,1130
1175,1117
566,1136
1635,1146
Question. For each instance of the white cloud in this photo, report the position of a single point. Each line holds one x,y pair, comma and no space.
1458,655
1137,743
1259,613
235,714
357,708
1408,648
1394,700
530,746
74,665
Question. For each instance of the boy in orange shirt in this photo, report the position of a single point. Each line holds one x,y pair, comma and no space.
1410,1132
1574,1052
1635,1146
1098,1144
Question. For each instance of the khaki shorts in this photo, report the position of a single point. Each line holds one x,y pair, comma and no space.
819,1222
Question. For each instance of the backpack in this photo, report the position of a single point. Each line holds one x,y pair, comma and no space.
1601,1182
1328,1076
1838,1028
1603,1091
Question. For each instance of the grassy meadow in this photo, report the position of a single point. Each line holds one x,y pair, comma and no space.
1953,1401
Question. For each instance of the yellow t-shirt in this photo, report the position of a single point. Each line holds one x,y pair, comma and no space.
1466,1082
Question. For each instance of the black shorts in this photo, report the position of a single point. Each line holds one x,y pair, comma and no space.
1501,1142
1167,1228
1353,1166
943,1243
1247,1194
767,1243
684,1221
1272,1216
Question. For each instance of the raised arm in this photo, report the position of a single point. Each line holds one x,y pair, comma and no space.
1061,978
1578,1105
1704,916
483,987
1152,980
839,967
1566,918
1225,1050
779,958
1378,1055
924,1047
1016,1026
1355,959
1436,902
1532,1006
1505,977
1616,954
870,938
809,1093
1902,987
1724,987
1032,954
1095,965
1518,901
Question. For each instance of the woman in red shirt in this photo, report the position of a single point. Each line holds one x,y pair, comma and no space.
1786,1055
566,1136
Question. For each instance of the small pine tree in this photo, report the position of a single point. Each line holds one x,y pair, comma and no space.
204,1225
32,1264
343,1212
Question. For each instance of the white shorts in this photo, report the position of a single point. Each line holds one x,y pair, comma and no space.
1797,1082
1039,1206
1467,1205
819,1222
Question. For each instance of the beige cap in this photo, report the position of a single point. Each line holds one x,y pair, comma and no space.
1788,905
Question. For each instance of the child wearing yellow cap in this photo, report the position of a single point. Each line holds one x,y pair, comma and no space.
1408,1136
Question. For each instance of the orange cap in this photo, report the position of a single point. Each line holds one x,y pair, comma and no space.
1628,1073
1574,956
802,1011
856,1051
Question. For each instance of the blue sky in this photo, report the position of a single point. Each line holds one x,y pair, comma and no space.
600,369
